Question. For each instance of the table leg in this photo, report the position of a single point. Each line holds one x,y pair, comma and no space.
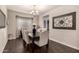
33,45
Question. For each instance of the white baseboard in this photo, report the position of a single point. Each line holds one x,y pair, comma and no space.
65,44
11,38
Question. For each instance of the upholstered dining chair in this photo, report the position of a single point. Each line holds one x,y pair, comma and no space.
43,40
25,36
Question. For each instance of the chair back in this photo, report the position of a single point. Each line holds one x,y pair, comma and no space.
25,36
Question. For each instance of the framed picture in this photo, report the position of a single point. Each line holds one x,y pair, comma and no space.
66,21
2,19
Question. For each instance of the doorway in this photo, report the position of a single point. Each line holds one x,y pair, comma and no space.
48,25
46,22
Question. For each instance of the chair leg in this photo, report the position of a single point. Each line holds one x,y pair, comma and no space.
47,45
24,43
28,46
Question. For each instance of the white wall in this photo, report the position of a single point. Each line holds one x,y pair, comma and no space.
12,22
36,20
3,31
67,37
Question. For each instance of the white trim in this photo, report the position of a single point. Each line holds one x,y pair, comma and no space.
65,44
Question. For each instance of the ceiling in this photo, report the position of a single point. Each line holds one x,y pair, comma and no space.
28,8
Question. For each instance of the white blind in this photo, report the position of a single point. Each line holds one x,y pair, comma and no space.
24,22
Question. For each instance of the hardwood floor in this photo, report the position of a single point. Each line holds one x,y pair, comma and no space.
16,46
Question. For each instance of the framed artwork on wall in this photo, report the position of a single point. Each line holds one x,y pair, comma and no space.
2,19
66,21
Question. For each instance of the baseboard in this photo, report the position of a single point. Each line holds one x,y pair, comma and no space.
11,38
4,46
65,44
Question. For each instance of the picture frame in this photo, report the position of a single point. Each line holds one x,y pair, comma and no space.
2,19
66,21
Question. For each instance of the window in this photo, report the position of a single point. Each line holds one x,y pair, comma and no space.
24,22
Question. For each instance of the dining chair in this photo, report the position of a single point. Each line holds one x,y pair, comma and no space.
43,38
25,37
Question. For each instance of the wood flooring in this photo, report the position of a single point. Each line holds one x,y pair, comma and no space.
17,46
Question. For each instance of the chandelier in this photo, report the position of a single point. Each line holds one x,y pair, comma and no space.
35,11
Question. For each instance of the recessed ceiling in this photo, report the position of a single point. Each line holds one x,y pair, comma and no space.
28,8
